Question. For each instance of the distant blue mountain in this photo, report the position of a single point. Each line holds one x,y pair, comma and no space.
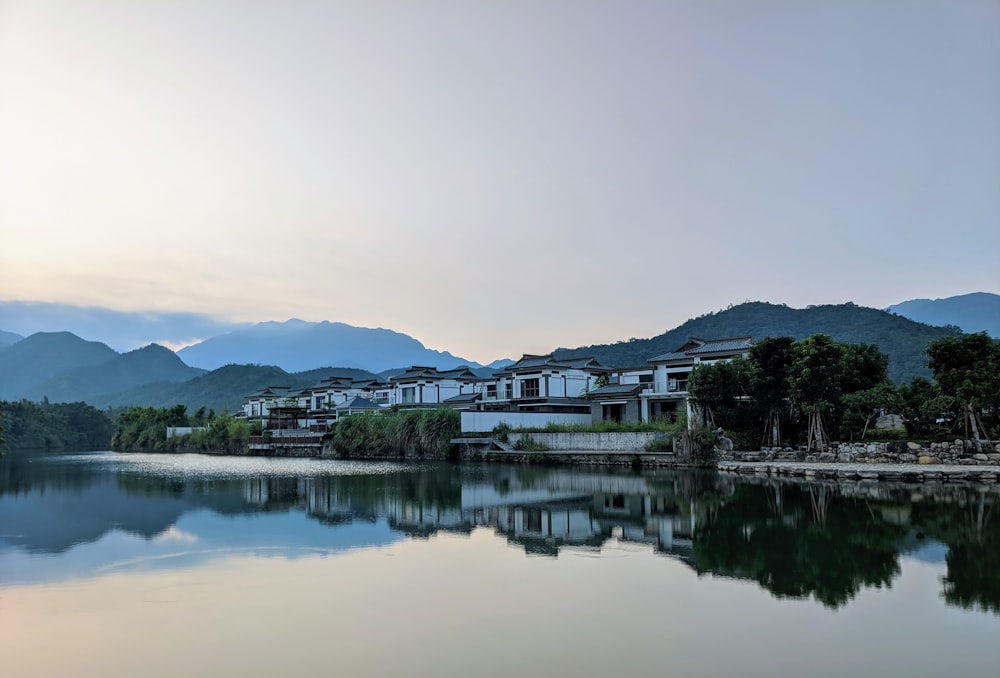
43,356
120,330
136,368
976,312
296,345
9,338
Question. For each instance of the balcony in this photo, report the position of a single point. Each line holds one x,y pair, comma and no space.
674,387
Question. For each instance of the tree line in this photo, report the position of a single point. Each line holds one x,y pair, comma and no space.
53,427
817,389
144,429
406,433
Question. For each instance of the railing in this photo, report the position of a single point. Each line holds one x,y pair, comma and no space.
673,386
285,441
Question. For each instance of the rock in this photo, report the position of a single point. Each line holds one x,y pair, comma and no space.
927,459
980,457
907,459
913,446
827,457
846,457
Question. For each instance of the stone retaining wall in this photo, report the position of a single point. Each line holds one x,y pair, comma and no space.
958,452
612,442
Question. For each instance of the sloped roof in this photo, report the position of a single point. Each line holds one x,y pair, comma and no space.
463,398
272,392
616,390
696,346
536,362
421,372
356,403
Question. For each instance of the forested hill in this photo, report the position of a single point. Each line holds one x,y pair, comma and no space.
903,340
221,389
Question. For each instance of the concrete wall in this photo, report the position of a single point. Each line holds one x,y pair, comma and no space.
481,422
622,442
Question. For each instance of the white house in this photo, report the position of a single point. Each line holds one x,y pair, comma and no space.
421,386
663,381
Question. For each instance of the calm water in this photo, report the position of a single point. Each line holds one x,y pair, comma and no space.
128,565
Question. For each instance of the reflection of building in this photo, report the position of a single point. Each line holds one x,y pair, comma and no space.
542,515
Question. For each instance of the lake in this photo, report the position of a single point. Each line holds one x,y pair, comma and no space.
188,565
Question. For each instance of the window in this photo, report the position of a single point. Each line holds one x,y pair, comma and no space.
408,394
491,391
529,388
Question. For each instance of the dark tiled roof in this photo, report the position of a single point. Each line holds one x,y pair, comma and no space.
616,390
272,392
698,347
536,362
419,372
464,398
357,403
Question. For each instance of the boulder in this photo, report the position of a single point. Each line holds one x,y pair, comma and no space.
927,459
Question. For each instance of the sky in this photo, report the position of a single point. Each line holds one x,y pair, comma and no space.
495,178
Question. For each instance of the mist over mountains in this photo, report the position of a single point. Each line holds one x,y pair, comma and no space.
296,345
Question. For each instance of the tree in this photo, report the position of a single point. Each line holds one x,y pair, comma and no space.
924,409
718,387
867,405
814,383
770,359
967,368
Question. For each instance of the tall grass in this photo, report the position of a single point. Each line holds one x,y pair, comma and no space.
402,433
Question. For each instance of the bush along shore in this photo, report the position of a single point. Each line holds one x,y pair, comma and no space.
396,434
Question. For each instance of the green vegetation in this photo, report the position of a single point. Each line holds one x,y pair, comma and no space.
53,426
817,388
967,370
406,433
144,429
528,444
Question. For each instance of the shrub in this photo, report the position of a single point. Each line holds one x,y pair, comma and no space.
528,444
661,444
501,430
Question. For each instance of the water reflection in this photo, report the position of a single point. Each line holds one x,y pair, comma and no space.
80,516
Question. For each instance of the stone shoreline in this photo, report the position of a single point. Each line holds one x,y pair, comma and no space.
956,453
916,473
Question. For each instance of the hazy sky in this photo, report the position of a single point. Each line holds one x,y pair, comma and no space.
497,177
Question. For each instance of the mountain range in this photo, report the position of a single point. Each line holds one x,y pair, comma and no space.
903,340
220,371
296,345
976,312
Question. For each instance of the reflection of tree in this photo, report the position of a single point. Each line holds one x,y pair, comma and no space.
799,541
973,539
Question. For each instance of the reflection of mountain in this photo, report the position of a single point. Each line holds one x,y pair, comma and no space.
794,539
